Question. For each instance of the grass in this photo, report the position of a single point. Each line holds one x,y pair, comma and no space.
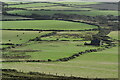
12,36
4,46
31,5
54,50
114,34
79,3
13,17
41,25
102,64
58,8
89,13
72,35
98,64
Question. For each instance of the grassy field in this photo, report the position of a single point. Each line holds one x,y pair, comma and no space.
31,5
18,37
79,3
89,13
54,50
99,64
58,8
4,46
41,25
114,35
13,17
12,2
73,4
71,35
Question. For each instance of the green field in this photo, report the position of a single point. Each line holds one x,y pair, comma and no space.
54,50
57,46
89,13
99,64
15,3
13,17
31,5
79,3
53,6
57,8
41,25
23,36
114,35
72,35
102,64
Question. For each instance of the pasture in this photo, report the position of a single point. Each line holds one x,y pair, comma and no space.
41,25
4,17
98,64
57,8
88,13
31,5
53,50
18,37
79,3
72,35
48,41
91,65
114,35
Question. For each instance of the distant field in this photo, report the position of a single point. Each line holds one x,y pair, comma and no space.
4,46
98,64
57,8
13,17
79,3
46,25
89,13
80,35
31,5
23,36
11,3
114,35
49,4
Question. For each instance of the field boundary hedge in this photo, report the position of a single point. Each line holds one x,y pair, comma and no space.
65,58
11,74
95,29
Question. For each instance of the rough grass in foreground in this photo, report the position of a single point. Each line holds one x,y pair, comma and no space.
98,64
